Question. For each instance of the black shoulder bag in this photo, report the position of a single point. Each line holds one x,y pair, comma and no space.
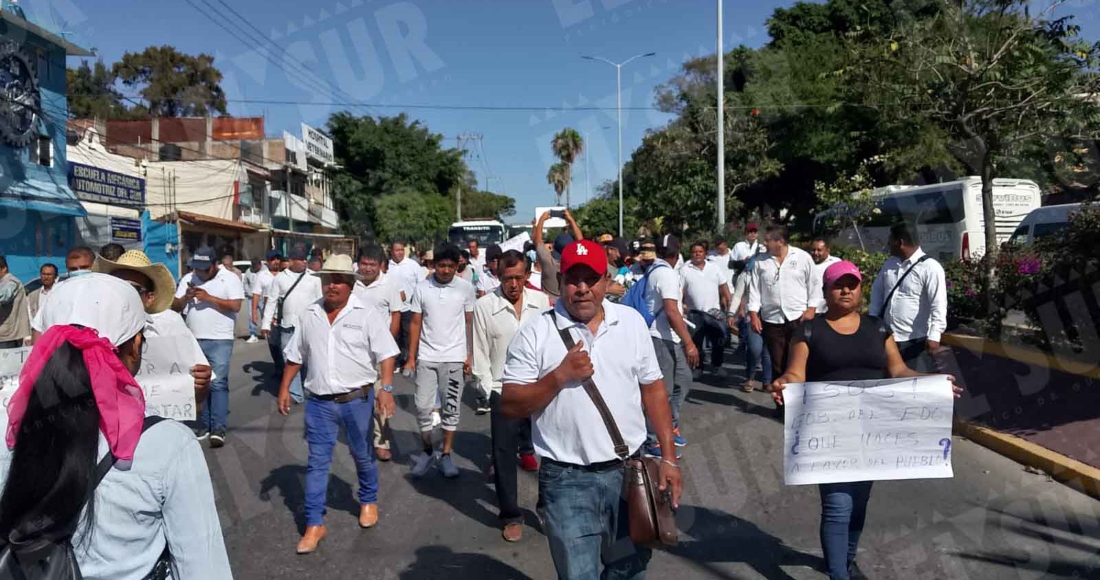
886,302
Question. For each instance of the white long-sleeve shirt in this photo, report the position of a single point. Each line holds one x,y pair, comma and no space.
306,293
495,325
918,308
782,292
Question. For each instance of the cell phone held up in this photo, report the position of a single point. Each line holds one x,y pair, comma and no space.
557,213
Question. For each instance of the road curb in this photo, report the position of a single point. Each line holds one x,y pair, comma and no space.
1073,473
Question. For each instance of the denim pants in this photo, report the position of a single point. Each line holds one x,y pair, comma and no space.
584,516
252,329
843,511
678,381
756,354
285,334
323,422
709,328
506,440
215,413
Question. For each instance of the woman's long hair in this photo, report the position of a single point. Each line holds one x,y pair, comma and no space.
54,461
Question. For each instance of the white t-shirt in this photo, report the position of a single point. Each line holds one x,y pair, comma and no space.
406,274
382,295
663,284
743,250
443,328
701,286
722,262
262,282
205,320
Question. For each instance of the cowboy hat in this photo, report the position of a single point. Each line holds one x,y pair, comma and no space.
341,264
164,285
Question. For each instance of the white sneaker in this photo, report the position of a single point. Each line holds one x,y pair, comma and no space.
420,465
252,340
447,466
436,419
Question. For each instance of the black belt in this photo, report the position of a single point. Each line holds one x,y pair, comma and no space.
592,467
347,397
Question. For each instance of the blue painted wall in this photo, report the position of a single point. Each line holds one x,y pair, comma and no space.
157,237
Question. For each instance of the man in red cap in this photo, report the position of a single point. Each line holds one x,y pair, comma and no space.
581,476
748,247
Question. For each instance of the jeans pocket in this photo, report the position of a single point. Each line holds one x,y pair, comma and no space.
550,473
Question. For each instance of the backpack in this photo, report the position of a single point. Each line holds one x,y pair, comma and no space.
51,556
635,296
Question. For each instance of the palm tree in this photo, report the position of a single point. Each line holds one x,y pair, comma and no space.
558,176
567,146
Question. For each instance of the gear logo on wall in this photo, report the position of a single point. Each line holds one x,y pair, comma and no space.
20,101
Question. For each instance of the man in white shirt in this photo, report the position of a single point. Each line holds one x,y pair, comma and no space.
287,298
440,354
406,273
477,259
248,280
782,294
379,291
260,285
676,352
342,342
910,294
210,298
819,251
721,256
707,299
581,477
488,280
497,317
745,249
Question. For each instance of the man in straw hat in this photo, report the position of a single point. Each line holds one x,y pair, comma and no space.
341,341
156,287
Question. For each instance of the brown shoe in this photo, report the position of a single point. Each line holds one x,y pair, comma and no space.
382,454
310,539
368,515
513,532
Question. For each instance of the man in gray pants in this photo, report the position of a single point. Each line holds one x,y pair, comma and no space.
440,353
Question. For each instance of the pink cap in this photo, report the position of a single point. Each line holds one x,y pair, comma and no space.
838,271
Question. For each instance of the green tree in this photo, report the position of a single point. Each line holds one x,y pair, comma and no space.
558,177
172,83
91,92
419,218
567,145
601,215
486,204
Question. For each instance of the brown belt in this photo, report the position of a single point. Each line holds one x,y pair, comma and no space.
359,393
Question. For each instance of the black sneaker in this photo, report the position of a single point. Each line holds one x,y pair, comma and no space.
201,433
855,573
217,439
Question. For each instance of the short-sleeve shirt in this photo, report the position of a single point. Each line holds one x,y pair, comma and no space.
663,284
702,286
570,429
443,326
383,295
550,268
205,320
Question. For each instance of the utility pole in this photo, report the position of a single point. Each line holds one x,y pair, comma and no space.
721,74
463,140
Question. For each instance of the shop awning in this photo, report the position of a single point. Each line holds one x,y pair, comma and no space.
41,196
215,223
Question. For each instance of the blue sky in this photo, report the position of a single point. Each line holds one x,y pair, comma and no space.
507,53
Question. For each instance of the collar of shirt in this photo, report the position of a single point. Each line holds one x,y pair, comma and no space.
318,309
564,320
917,254
531,300
694,267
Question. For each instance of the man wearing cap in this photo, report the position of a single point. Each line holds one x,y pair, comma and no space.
676,352
581,476
210,298
549,261
156,287
745,249
342,342
288,296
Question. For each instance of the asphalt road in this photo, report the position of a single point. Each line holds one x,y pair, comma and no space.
994,520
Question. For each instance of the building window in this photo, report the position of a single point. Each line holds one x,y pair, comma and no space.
40,152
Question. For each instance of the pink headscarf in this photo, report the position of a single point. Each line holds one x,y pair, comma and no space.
119,398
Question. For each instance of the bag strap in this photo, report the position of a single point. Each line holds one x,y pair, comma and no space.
621,450
886,303
287,295
109,460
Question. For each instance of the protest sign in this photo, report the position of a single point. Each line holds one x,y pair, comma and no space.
165,377
11,362
515,243
867,430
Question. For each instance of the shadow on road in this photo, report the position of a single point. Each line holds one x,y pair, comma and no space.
468,493
432,561
722,537
290,481
265,375
700,396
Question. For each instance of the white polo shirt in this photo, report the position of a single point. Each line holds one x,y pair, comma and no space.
663,284
570,429
702,286
782,292
262,282
443,326
722,262
205,320
295,303
340,356
487,282
383,295
495,324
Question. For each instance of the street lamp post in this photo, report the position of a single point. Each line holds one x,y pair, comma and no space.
619,116
721,74
587,167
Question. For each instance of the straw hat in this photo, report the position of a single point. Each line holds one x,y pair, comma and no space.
340,264
164,285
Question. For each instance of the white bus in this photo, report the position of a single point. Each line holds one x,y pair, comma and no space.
486,232
948,216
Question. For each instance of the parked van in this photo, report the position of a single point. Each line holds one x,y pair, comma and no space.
1043,222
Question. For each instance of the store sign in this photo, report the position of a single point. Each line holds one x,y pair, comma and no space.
101,186
125,230
318,145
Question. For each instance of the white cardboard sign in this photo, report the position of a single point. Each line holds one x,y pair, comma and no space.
165,377
867,430
11,363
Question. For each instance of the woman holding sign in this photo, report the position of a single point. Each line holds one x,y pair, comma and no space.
843,345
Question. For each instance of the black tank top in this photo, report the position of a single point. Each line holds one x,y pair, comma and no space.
846,357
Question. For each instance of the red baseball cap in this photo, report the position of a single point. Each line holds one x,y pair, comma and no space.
586,253
751,227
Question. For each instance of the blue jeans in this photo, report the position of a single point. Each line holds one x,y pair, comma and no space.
755,353
252,330
843,511
584,515
323,421
215,413
284,335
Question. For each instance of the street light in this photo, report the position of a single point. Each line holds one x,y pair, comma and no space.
587,167
619,115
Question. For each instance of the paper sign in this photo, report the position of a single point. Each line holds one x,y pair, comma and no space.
867,430
165,377
515,243
11,363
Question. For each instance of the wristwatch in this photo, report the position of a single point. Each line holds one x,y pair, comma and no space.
387,388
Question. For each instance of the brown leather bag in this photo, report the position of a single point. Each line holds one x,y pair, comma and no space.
649,510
